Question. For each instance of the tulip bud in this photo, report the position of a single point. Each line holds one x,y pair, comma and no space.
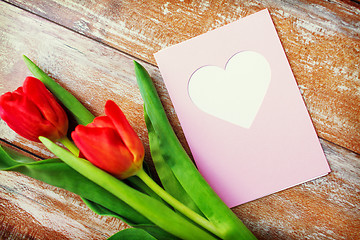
110,143
32,111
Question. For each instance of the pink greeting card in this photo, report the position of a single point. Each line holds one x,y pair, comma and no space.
241,110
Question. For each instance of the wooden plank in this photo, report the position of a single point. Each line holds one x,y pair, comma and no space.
321,39
30,209
93,72
324,208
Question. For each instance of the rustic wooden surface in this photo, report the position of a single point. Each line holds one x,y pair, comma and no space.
321,40
88,47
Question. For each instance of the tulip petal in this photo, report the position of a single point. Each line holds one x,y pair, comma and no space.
36,91
154,210
125,130
104,148
102,121
32,111
82,115
23,116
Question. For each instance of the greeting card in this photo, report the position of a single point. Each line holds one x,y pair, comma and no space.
241,110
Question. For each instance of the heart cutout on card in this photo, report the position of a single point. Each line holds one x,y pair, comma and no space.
233,94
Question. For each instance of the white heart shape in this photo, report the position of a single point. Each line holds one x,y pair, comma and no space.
234,94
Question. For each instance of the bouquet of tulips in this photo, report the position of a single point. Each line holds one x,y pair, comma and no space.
102,161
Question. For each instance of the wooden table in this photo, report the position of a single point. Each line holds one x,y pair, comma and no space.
88,47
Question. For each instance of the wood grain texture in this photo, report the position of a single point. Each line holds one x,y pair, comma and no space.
321,40
30,209
91,71
326,208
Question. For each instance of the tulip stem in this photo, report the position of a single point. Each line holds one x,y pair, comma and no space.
70,145
177,204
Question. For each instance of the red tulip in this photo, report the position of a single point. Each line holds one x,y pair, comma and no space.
110,143
32,111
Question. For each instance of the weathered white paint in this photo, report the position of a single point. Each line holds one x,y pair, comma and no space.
45,205
140,33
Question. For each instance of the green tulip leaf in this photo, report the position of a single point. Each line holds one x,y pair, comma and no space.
57,173
182,166
156,231
131,234
156,211
52,171
81,114
143,232
136,183
166,175
10,158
